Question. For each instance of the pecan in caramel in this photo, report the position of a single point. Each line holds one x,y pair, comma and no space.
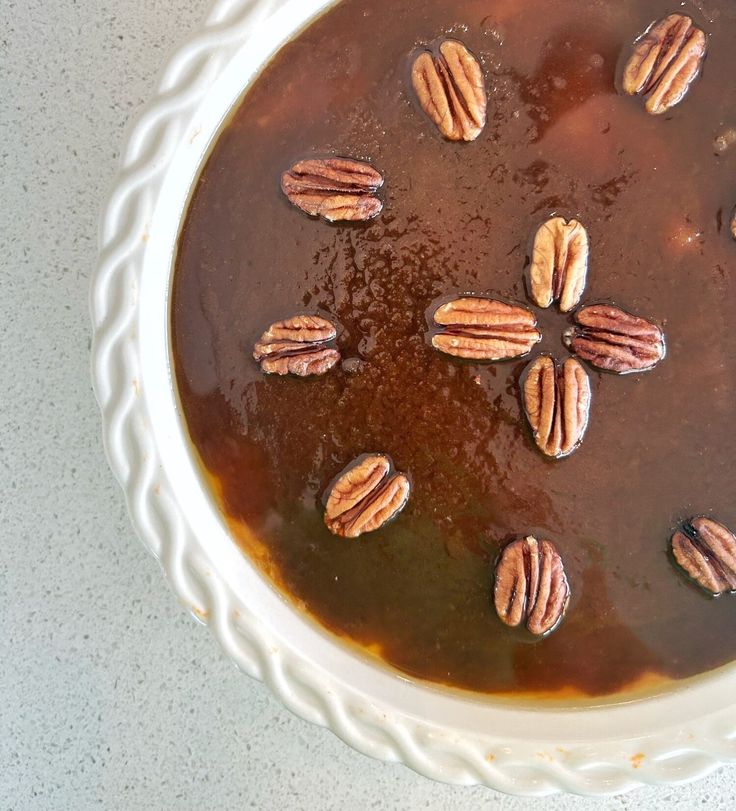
365,496
297,346
556,402
450,88
485,329
336,189
664,62
612,339
530,586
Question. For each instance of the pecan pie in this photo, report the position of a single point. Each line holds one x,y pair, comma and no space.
451,326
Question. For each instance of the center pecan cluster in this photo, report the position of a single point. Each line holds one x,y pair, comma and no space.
556,396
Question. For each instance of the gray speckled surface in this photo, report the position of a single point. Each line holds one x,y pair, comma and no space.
111,696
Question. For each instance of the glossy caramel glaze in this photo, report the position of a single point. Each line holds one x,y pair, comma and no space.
655,195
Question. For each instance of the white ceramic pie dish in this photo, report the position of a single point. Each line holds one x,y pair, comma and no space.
676,736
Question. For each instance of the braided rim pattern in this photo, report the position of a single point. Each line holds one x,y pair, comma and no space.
671,756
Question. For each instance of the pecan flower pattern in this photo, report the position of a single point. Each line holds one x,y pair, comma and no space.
556,395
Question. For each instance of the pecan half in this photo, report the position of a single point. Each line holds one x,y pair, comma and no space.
706,550
365,496
557,403
733,224
664,62
559,263
450,87
484,329
334,188
531,586
612,339
297,346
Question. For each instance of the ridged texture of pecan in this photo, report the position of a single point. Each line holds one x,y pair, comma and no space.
559,264
530,586
614,340
451,90
365,496
664,62
557,403
485,329
733,223
336,189
297,346
706,550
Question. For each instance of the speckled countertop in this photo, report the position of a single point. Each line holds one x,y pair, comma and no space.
110,695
